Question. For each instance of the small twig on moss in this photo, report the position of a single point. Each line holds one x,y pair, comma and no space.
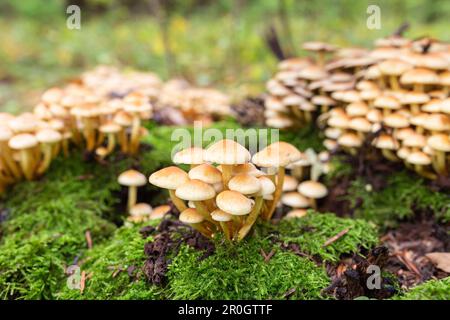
336,237
82,281
290,292
88,237
267,256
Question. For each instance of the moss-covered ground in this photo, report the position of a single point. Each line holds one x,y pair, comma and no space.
45,223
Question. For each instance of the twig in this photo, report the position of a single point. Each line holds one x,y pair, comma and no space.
336,237
82,281
267,256
88,237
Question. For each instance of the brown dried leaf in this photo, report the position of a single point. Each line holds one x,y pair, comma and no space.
440,259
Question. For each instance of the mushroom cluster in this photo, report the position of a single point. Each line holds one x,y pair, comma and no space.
194,103
226,189
398,92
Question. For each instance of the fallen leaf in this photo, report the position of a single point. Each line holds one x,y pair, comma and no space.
440,259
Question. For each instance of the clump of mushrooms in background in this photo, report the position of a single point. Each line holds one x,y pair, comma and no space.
397,92
227,190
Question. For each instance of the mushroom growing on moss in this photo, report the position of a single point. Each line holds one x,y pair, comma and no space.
132,179
170,178
25,143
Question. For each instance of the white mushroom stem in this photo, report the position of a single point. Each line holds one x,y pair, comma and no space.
277,193
225,229
251,218
203,210
134,139
10,164
201,228
179,204
132,196
47,151
226,175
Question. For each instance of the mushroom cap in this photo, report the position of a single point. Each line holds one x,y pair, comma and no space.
434,105
247,168
110,127
23,141
206,173
52,95
330,145
191,216
394,67
132,178
415,140
414,97
101,151
193,155
387,102
278,154
403,133
396,120
419,158
312,73
26,122
323,101
141,209
169,178
296,213
5,133
221,216
339,121
350,140
159,212
360,124
290,183
245,184
234,202
357,109
439,142
279,122
437,122
123,119
48,136
374,116
295,200
332,133
227,152
267,186
195,190
403,153
385,141
312,189
419,76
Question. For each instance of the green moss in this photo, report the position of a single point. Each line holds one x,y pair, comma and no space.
125,249
404,193
430,290
239,272
312,231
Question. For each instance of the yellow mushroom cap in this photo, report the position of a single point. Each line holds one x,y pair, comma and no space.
396,120
394,67
437,122
221,216
247,168
403,153
290,183
23,141
169,178
206,173
278,154
234,202
245,184
267,186
419,158
227,152
191,216
384,141
296,213
194,155
123,119
195,190
132,178
295,200
141,209
419,76
312,189
439,142
387,102
360,124
48,136
350,140
357,109
159,212
415,140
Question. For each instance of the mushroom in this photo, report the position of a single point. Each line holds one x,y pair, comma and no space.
224,219
6,153
170,178
25,143
290,183
296,213
193,218
110,129
198,192
387,144
125,121
48,139
312,190
132,179
135,108
159,212
227,153
193,156
295,200
140,212
440,143
277,155
420,160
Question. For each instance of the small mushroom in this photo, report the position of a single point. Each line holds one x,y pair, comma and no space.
193,156
198,192
132,179
193,218
170,178
48,139
159,212
440,143
224,219
313,190
140,212
25,143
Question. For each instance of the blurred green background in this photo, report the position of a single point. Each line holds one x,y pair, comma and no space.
209,42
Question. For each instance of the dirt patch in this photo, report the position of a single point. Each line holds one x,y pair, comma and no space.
409,243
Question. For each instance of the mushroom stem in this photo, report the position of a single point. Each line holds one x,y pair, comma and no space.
111,142
132,196
421,170
89,134
47,151
134,139
313,203
201,208
415,109
251,218
298,172
226,230
6,154
394,83
439,162
123,140
308,116
277,193
179,204
65,147
226,175
26,163
200,228
388,154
